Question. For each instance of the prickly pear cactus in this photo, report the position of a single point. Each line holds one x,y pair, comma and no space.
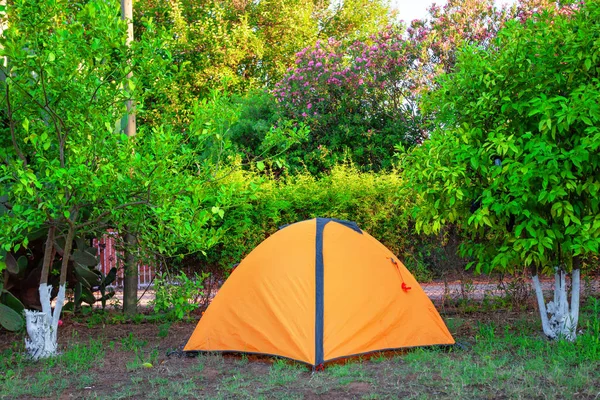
10,319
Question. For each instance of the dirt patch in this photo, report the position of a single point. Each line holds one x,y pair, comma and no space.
359,387
115,355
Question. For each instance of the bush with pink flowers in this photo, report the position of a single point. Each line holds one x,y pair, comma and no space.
357,100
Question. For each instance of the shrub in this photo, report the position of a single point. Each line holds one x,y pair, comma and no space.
356,100
177,295
261,204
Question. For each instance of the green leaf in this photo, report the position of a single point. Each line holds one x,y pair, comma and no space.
87,296
11,301
260,165
51,57
10,319
77,293
11,264
22,263
85,258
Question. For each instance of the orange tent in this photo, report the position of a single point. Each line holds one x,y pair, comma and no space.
316,291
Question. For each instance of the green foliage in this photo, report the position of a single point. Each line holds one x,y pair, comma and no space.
88,278
143,361
506,357
90,281
243,45
228,128
260,204
283,372
11,301
589,342
11,311
358,100
67,162
514,158
132,343
178,294
258,114
262,133
79,357
10,319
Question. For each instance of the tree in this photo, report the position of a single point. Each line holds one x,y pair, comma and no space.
243,45
67,167
130,280
457,23
514,157
357,99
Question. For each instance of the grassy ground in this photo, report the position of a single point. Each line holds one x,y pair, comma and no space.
504,356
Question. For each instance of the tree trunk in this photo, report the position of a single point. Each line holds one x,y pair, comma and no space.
42,327
127,15
42,341
559,318
3,27
130,280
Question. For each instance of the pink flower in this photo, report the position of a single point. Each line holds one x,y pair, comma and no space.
309,106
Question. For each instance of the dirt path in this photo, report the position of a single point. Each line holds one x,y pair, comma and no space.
435,290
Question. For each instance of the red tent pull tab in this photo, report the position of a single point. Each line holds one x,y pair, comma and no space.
404,287
320,367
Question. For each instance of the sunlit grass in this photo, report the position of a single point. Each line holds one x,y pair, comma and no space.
497,359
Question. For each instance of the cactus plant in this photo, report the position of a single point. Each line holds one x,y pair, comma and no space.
11,264
10,319
90,281
85,257
11,310
8,299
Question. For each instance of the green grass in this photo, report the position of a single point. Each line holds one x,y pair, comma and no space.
499,360
131,343
71,369
283,373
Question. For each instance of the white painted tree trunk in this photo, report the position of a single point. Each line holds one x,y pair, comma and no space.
42,327
559,318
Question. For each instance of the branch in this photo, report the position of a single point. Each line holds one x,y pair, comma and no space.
67,249
56,119
11,123
104,82
325,25
36,102
53,116
48,252
105,213
48,258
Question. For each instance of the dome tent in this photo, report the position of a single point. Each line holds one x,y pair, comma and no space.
316,291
